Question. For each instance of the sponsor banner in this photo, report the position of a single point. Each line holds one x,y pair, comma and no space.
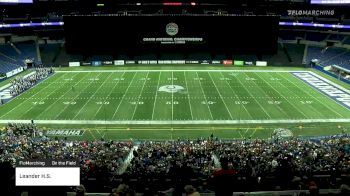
239,63
261,63
65,132
249,63
227,62
74,64
192,62
336,93
14,72
107,62
119,62
178,62
205,62
96,63
143,62
130,62
150,62
216,62
85,63
10,73
167,62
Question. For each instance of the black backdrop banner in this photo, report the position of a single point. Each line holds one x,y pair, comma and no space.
156,34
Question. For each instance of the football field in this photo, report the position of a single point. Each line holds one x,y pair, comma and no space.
173,97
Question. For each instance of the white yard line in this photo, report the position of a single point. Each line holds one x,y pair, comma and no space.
52,104
284,97
65,107
116,84
301,90
181,70
126,91
182,121
239,131
155,98
241,105
81,109
172,97
263,109
262,90
223,101
251,135
32,95
205,97
330,108
138,99
246,131
42,99
188,96
179,122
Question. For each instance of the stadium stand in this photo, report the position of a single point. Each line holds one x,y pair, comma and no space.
329,56
347,40
62,57
295,52
6,66
13,55
325,55
27,51
341,60
257,165
280,59
9,51
288,35
48,51
336,37
315,36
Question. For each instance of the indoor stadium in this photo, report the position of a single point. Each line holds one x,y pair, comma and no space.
174,97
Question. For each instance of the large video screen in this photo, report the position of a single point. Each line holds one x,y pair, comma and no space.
330,2
171,33
15,1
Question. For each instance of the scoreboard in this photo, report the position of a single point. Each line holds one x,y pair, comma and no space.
133,34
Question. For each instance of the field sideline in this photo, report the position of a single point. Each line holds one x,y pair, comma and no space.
177,98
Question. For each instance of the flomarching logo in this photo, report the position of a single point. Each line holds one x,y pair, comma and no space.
172,29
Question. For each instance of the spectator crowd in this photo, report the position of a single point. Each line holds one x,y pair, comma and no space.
160,166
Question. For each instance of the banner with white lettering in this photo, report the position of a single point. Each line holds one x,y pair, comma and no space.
335,92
